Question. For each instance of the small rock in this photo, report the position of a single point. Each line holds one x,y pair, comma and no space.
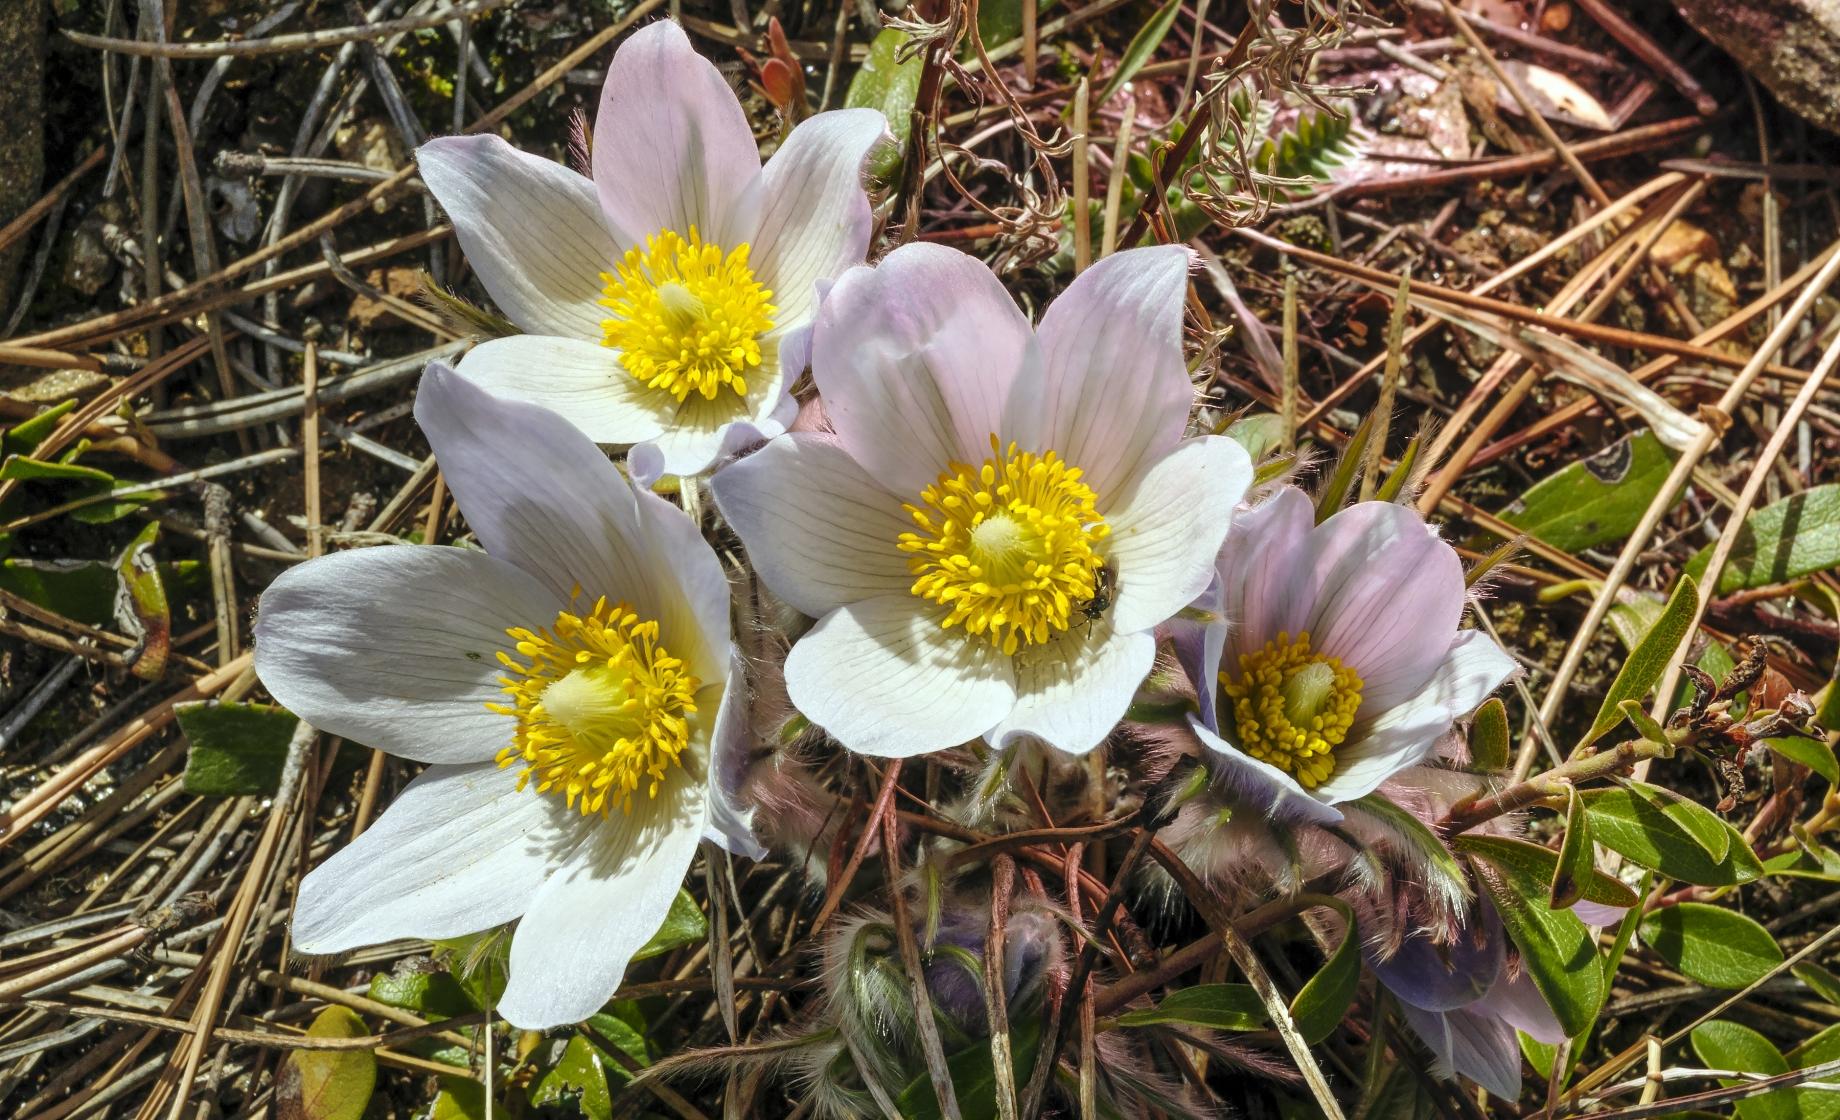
1791,46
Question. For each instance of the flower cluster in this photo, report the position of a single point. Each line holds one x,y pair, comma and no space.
983,532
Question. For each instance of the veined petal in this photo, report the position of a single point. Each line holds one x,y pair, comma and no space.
672,146
1265,574
1472,1044
814,213
819,530
1263,785
1166,531
1117,389
731,818
699,433
531,228
594,912
581,381
1071,692
916,359
883,678
396,648
460,851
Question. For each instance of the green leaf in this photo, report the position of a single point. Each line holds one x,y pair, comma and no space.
1143,45
1722,1044
1815,755
683,925
1261,434
1825,983
236,748
1573,870
1720,948
460,1098
889,87
974,1076
1219,1007
433,995
144,612
25,469
624,1027
1595,500
327,1084
1783,541
1649,659
1340,482
26,436
1635,826
1706,827
1322,1003
1000,21
1535,861
1558,952
577,1074
82,590
1646,725
1488,738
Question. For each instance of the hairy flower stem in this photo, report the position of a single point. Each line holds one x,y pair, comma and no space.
1552,783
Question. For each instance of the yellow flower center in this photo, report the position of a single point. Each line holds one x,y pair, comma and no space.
686,318
1293,707
1008,546
601,708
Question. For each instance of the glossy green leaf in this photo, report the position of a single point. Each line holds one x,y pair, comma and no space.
1706,827
1785,540
1536,861
622,1026
683,925
889,87
1596,500
83,590
1649,659
25,469
1812,753
236,748
1142,46
1558,952
25,437
460,1098
1722,1044
1633,825
1720,948
1323,1001
327,1084
431,994
1573,869
578,1075
1824,982
1489,739
1219,1007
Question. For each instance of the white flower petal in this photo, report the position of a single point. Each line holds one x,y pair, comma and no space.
916,358
582,381
1072,691
397,648
819,530
1118,392
530,227
1166,531
698,433
460,851
883,678
1388,595
1263,785
672,146
1265,574
731,817
583,926
814,213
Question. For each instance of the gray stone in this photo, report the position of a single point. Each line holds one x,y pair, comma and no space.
1791,46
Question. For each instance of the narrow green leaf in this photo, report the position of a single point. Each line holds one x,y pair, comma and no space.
144,611
1220,1007
327,1084
1322,1003
1536,861
890,87
1636,827
1649,659
25,469
236,749
1645,724
1783,541
25,437
1595,500
1825,983
1340,482
1573,869
1143,44
1720,948
1393,485
1488,738
1559,953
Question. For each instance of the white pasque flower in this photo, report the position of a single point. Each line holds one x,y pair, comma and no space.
668,299
1004,514
1337,661
570,688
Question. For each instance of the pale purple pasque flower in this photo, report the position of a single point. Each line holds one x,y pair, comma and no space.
988,487
572,688
667,300
1335,660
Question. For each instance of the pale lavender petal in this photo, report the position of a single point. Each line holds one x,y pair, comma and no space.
672,146
1444,977
397,648
1117,390
1470,1044
1264,574
813,212
1516,1000
1597,914
530,227
731,818
1072,691
1388,595
1262,785
580,380
883,678
699,432
915,359
1166,531
821,532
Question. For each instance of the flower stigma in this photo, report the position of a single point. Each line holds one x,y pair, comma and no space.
1010,546
1293,707
601,708
686,318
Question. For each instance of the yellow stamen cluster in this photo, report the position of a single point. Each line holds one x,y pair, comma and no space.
601,708
686,318
1293,707
1008,546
